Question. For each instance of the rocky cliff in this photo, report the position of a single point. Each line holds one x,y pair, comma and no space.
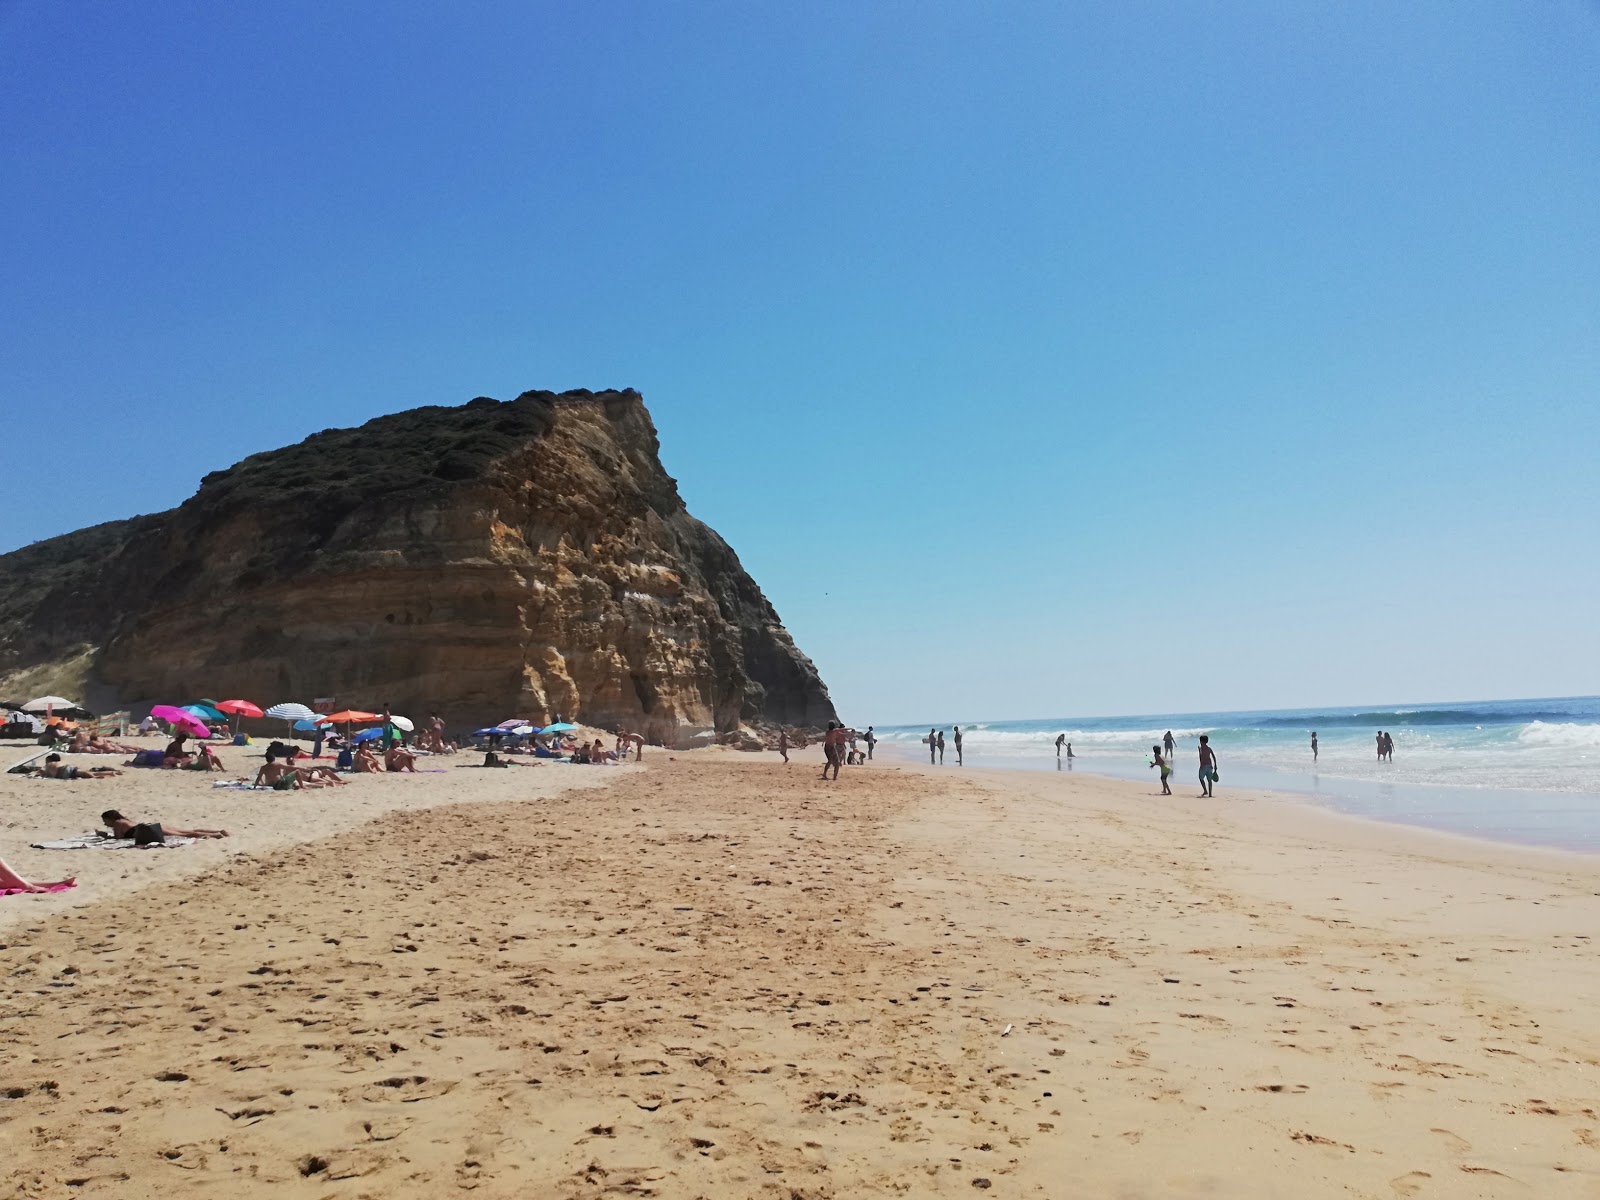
520,558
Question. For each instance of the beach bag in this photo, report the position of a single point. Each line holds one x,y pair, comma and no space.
149,834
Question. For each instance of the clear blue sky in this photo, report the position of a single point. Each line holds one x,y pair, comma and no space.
1038,359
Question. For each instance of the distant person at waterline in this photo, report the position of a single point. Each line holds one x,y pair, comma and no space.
872,740
1169,744
1208,765
1166,769
1070,754
933,746
941,747
958,747
1061,740
1313,745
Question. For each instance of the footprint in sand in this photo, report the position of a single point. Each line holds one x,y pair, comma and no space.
1456,1143
1410,1183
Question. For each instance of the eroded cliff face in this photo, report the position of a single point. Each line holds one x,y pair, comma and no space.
524,558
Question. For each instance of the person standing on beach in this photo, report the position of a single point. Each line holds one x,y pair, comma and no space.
1166,769
1170,745
959,761
933,746
783,744
1208,765
1061,740
1388,747
1313,745
941,747
316,742
1380,745
872,740
832,749
388,728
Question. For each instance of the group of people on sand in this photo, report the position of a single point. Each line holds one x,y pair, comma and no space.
935,741
841,746
1161,758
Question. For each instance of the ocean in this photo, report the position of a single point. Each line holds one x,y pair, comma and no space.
1511,770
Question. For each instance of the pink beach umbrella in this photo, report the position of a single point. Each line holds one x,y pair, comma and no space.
181,721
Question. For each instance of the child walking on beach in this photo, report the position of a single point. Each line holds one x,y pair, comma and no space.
1166,769
1208,765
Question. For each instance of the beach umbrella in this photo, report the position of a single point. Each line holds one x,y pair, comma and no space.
205,712
559,727
367,735
308,726
290,712
349,716
46,703
400,722
239,709
181,720
511,724
486,732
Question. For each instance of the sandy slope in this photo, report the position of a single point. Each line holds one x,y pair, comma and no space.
716,977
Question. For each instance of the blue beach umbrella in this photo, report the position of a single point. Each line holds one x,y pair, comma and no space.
205,712
558,727
367,735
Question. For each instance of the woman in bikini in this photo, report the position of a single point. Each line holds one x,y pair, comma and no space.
121,827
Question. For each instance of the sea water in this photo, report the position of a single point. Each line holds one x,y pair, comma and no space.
1513,770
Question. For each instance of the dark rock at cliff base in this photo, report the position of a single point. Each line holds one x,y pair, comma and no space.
520,558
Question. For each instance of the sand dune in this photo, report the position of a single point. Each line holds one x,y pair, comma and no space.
718,977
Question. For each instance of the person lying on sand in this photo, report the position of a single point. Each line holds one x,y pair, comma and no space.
10,881
84,742
54,768
121,827
397,758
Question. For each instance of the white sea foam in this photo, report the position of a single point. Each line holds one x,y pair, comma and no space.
1559,734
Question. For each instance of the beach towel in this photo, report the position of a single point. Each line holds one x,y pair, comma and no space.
97,841
240,785
57,887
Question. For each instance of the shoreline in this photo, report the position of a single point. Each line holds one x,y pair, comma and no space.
1349,796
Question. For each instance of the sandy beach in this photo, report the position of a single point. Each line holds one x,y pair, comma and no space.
715,976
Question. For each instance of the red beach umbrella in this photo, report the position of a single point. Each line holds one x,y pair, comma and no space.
239,708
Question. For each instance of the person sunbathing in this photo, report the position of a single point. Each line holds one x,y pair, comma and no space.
400,759
285,777
121,827
206,760
366,760
10,881
54,768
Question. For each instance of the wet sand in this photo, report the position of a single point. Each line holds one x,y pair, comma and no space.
719,977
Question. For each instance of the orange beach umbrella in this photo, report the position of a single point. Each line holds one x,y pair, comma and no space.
349,716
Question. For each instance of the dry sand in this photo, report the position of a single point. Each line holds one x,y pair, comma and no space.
718,977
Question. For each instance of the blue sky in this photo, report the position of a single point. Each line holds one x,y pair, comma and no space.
1038,359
